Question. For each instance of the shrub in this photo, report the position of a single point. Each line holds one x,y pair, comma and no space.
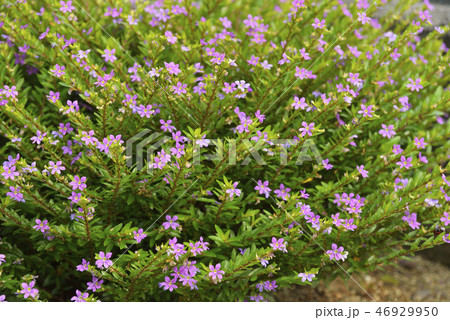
216,150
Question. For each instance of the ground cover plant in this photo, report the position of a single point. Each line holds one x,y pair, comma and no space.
216,150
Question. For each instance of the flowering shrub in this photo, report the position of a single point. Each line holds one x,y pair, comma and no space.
216,150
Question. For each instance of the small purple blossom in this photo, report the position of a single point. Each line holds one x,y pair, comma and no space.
170,223
95,284
215,272
415,84
28,290
233,191
103,261
168,284
405,162
279,244
306,276
84,266
263,188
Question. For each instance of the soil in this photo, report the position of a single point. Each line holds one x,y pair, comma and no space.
415,280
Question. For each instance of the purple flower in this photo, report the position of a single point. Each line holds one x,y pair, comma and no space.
202,142
2,259
28,290
326,165
65,128
387,131
58,71
168,284
95,284
56,168
420,143
80,297
257,298
139,235
66,6
10,172
363,18
307,128
263,188
78,183
172,68
446,219
397,149
103,261
363,172
73,107
366,111
215,272
109,55
2,298
348,224
9,92
405,162
299,103
176,249
165,126
170,223
264,261
179,88
270,286
170,37
414,85
15,194
318,24
411,218
282,192
39,137
335,252
88,138
41,226
44,34
306,276
278,244
84,266
234,191
446,238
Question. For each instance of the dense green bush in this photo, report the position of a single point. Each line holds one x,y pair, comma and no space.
216,150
